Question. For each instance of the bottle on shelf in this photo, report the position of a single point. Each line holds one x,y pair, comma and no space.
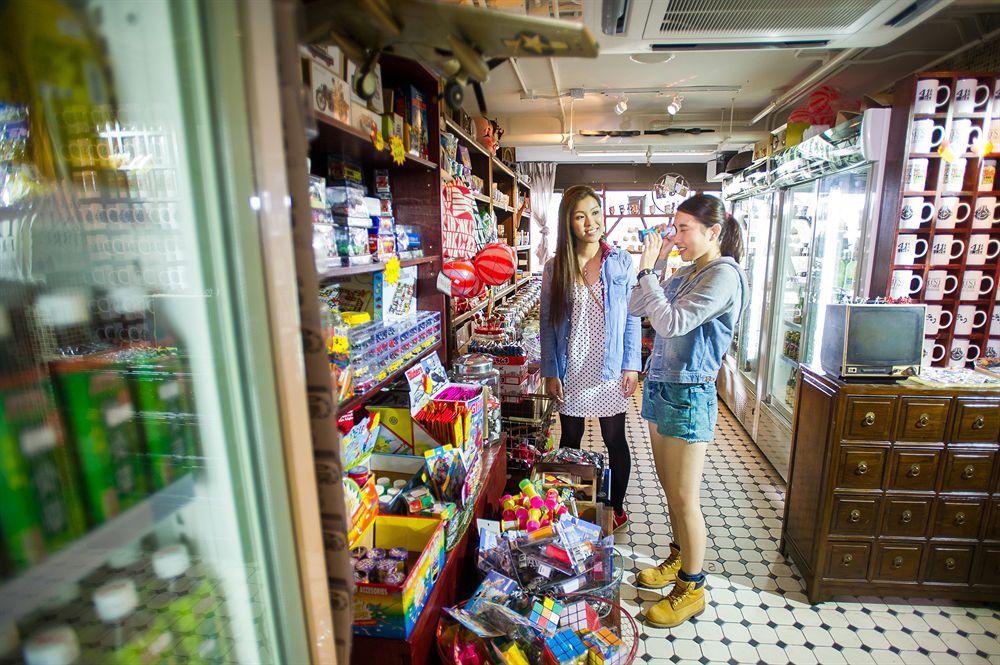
133,635
186,597
53,646
10,644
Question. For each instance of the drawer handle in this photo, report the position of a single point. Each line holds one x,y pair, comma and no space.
914,471
906,516
979,422
923,420
848,558
959,519
968,472
855,515
897,562
869,419
862,468
950,563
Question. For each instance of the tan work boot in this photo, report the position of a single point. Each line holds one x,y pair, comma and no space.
682,603
663,575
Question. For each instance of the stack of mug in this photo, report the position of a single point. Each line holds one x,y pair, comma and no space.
945,251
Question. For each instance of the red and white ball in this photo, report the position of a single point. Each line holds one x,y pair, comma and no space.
464,281
496,263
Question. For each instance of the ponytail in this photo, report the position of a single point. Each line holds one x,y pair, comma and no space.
710,211
731,239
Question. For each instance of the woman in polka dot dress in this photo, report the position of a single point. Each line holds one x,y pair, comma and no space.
590,344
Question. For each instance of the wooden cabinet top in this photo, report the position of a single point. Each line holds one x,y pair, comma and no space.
832,384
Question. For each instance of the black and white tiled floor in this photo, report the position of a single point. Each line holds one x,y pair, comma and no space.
757,611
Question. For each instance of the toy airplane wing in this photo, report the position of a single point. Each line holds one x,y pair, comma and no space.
419,28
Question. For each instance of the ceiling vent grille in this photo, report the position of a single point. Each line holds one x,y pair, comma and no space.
761,18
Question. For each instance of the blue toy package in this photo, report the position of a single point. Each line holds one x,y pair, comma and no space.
495,588
665,230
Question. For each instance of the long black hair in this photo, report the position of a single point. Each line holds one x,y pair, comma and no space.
565,267
710,211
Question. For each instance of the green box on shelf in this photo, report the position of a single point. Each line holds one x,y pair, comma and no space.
381,610
42,508
165,410
101,424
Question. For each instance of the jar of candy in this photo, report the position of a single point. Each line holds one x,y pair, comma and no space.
478,368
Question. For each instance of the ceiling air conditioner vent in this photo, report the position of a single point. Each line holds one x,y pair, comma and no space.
614,16
756,17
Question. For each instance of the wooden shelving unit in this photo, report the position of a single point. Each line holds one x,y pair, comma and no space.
933,193
494,174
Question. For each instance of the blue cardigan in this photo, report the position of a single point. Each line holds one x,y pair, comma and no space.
623,334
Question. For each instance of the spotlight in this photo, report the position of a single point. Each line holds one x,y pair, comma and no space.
622,105
675,105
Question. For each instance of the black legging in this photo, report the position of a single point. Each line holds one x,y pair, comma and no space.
613,433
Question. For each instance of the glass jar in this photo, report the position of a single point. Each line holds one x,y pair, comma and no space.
478,368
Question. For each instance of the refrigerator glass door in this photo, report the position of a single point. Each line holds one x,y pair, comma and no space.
790,290
756,243
741,211
141,475
840,225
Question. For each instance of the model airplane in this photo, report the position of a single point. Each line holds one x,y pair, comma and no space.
460,42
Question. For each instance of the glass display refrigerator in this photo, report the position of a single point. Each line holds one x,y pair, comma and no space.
146,513
821,197
742,363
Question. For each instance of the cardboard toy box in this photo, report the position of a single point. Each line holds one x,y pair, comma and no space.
398,467
381,610
401,433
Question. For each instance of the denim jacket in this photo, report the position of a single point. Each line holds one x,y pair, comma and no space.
623,335
694,316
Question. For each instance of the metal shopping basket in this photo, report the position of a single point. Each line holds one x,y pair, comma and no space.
527,420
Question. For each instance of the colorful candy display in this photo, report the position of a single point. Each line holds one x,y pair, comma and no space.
530,511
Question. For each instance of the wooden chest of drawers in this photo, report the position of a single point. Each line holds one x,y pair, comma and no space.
894,491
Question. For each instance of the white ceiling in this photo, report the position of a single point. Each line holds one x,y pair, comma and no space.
540,124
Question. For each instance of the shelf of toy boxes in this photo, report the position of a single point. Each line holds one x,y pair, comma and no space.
453,579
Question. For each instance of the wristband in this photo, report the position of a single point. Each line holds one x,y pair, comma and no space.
643,273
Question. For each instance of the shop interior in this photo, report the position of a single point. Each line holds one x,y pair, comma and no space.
271,387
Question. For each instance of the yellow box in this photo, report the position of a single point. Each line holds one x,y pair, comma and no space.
381,610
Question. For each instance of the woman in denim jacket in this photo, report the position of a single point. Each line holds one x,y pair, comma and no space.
694,313
584,307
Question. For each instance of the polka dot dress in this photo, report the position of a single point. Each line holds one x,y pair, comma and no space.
585,393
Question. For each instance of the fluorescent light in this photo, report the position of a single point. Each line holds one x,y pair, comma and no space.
670,153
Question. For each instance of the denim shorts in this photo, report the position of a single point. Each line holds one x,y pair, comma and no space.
686,411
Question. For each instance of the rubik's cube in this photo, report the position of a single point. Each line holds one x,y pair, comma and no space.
545,615
564,648
604,648
579,616
513,655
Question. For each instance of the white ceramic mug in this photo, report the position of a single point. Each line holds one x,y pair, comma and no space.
970,95
940,284
992,348
963,136
945,249
981,248
962,352
987,212
951,211
954,175
996,100
909,248
928,98
925,135
968,318
976,284
936,318
905,283
933,352
914,212
995,322
916,175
